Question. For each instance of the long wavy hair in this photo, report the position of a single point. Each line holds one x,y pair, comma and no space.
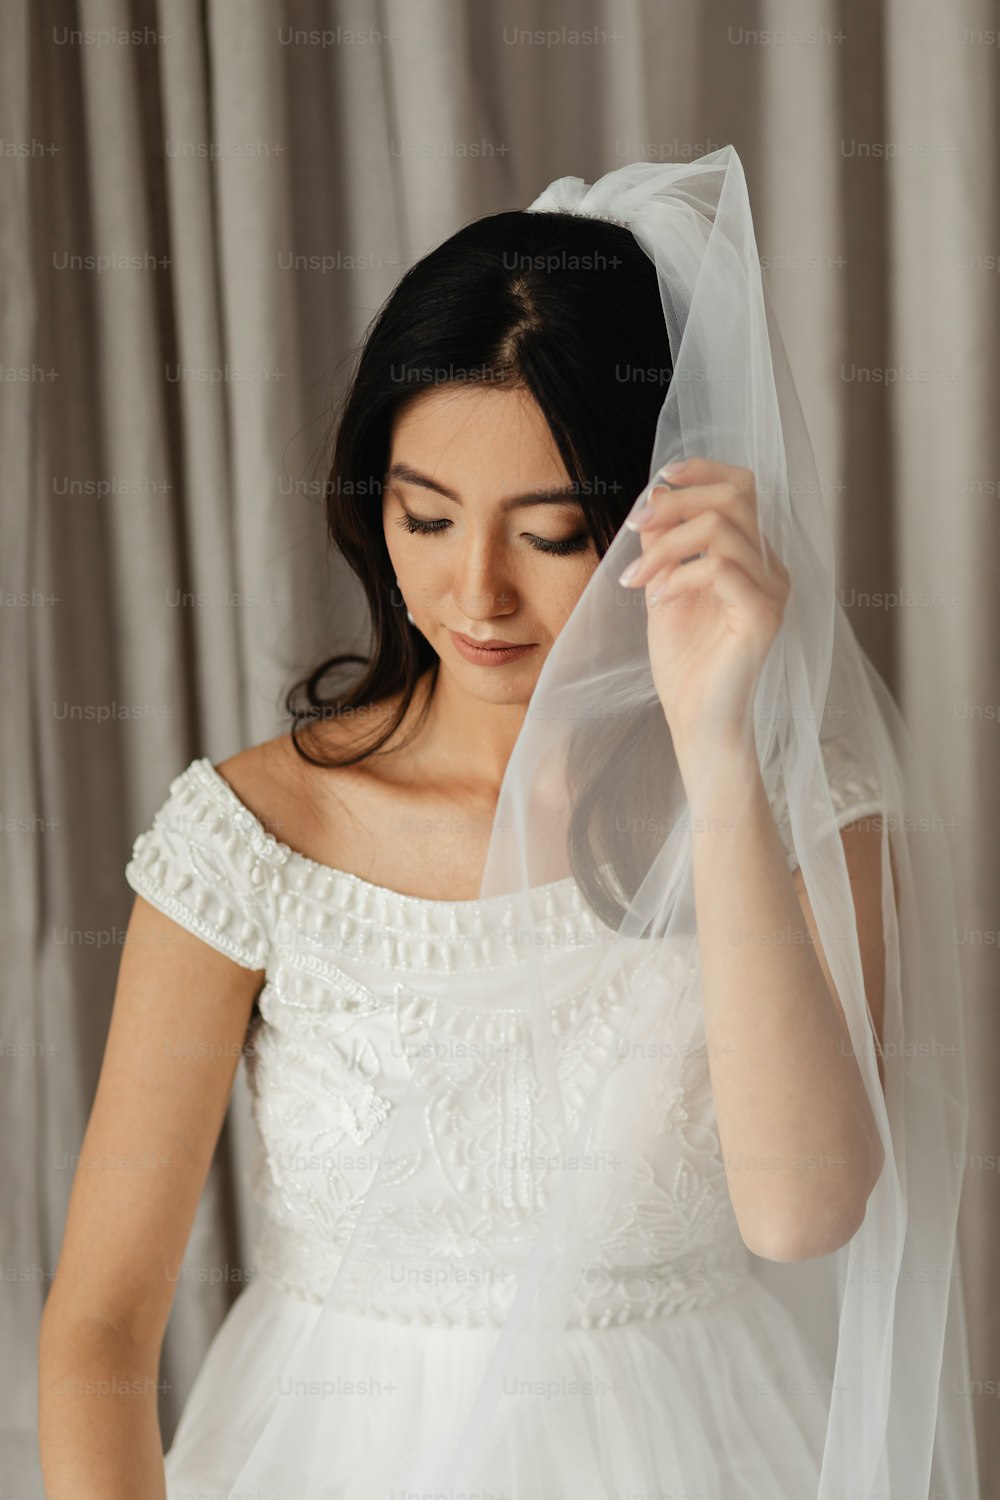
568,308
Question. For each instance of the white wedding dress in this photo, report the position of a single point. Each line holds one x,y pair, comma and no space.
677,1337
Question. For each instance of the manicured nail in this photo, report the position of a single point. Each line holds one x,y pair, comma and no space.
638,518
630,572
676,468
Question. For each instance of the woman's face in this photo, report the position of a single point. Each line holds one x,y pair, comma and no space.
459,458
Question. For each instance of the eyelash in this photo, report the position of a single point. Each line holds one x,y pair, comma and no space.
571,544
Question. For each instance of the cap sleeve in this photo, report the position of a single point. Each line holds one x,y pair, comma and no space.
855,793
201,864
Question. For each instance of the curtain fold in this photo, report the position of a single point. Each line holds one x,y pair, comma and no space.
204,202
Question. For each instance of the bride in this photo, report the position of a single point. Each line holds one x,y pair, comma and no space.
401,913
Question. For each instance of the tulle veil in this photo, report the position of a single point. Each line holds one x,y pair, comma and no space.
592,763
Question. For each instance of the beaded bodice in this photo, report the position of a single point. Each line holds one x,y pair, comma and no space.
365,989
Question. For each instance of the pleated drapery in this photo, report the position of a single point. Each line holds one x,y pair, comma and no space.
203,205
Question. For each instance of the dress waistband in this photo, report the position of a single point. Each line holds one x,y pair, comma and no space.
443,1294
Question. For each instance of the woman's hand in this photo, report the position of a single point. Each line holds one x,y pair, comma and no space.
713,610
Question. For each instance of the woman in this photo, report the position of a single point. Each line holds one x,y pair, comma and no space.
552,873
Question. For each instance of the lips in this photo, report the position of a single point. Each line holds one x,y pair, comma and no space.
493,644
489,654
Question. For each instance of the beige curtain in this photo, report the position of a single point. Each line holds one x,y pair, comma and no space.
165,407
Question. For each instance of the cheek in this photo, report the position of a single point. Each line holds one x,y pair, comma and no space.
412,561
562,593
393,548
417,566
404,551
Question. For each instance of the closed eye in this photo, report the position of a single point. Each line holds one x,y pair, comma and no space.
414,525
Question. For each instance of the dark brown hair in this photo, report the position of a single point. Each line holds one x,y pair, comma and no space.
562,305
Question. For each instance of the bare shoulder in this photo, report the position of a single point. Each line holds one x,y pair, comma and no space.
261,774
302,804
278,786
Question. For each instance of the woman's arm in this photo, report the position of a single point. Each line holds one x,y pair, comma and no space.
799,1140
178,1026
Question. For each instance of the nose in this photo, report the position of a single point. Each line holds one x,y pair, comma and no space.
482,587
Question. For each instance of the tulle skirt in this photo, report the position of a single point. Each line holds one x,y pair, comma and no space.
722,1403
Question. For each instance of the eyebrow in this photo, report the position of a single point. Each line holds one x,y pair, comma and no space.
566,495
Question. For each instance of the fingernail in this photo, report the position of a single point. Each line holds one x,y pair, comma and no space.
630,571
639,517
676,468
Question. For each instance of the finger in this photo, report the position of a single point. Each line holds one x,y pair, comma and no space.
722,579
740,508
698,470
668,506
708,533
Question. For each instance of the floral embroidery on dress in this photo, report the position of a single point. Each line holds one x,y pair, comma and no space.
356,1010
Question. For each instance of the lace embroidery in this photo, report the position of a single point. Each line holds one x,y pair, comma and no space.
356,1008
455,1243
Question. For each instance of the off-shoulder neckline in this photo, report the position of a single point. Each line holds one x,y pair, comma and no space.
357,882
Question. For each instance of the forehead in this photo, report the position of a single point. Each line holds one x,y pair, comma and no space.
456,429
